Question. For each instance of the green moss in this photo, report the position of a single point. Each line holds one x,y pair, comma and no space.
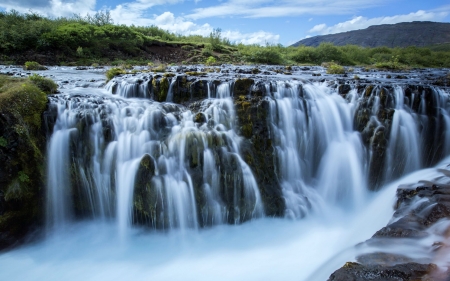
113,72
160,89
32,65
3,142
247,130
195,73
168,74
22,103
335,68
45,84
24,100
368,90
159,68
242,86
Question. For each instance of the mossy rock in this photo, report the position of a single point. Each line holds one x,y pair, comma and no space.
160,88
144,195
242,86
22,105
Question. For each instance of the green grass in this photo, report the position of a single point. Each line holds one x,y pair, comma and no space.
96,39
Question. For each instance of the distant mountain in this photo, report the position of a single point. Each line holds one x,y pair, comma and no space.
417,33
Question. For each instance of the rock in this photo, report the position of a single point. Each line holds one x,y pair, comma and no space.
200,118
144,197
352,271
242,86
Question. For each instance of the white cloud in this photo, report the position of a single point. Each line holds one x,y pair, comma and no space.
260,37
280,8
51,8
363,22
180,25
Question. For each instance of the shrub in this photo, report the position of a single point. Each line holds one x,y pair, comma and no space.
187,47
393,63
113,72
211,60
268,55
160,68
24,100
335,68
207,51
45,84
32,65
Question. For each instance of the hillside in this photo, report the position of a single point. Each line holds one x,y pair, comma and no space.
418,33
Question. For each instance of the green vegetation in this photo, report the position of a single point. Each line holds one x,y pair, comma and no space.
22,143
32,65
95,39
334,68
3,142
113,72
211,60
46,85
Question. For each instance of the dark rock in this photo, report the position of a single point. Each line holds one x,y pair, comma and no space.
242,86
352,271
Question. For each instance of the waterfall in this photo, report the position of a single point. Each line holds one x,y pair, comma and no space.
404,154
136,168
165,166
196,176
320,156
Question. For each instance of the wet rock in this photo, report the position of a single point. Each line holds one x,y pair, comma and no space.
352,271
344,89
242,86
200,118
144,197
258,152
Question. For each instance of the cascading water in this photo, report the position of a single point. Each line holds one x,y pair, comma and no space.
320,156
104,141
404,152
118,159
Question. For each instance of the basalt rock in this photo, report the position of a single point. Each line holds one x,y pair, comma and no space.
257,150
352,271
146,205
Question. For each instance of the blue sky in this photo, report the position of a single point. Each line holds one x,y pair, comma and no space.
251,21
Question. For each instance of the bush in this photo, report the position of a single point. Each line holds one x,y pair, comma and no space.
266,55
113,72
32,65
211,60
303,54
24,100
207,50
160,68
393,63
45,84
334,68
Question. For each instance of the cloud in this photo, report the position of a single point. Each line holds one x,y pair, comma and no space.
51,8
363,22
180,25
282,8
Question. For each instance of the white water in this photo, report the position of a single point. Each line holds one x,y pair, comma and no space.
264,249
168,134
322,168
320,156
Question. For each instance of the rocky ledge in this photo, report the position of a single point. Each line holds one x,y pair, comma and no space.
420,228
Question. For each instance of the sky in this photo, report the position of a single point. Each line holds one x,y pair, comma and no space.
247,21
